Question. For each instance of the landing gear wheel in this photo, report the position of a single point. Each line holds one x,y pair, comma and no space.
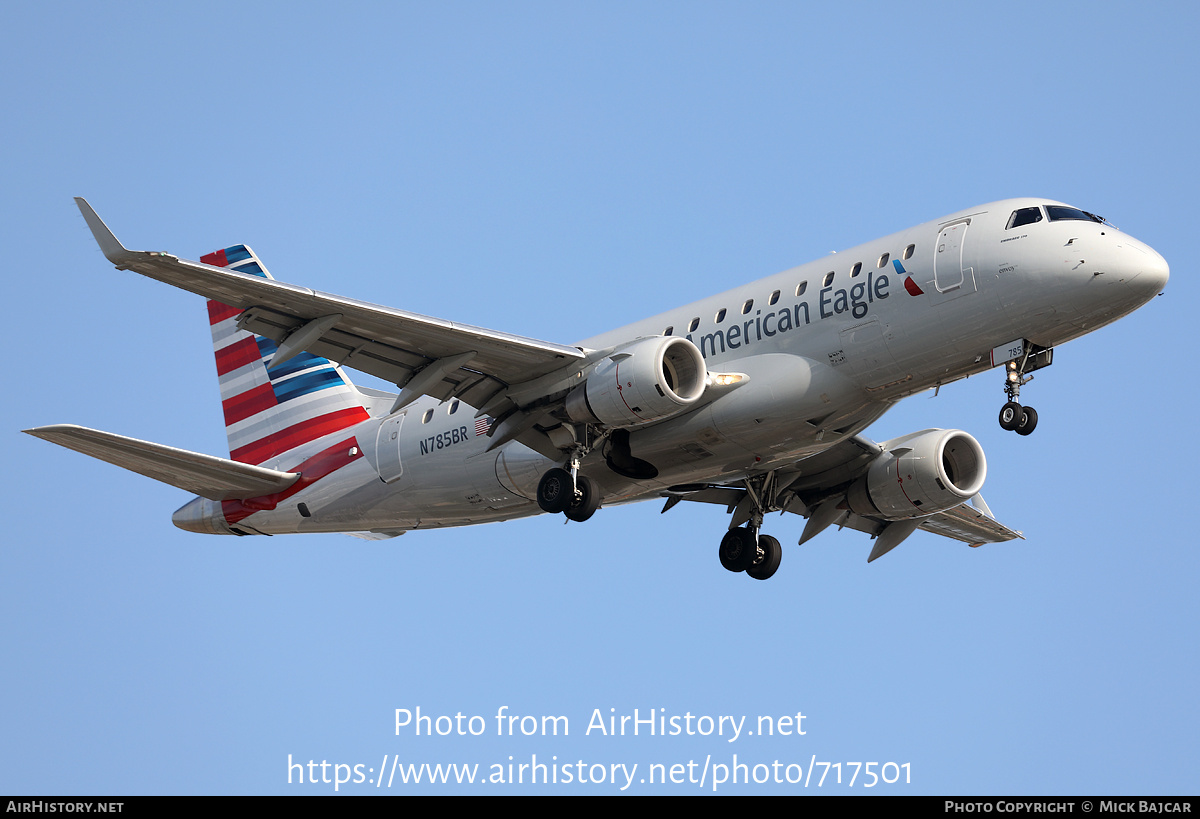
738,550
1011,415
1028,421
586,500
767,562
555,491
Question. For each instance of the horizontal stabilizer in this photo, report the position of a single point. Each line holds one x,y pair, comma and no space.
205,475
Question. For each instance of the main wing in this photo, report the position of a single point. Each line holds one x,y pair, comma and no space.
420,354
816,489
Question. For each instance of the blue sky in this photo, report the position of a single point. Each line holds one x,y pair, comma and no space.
555,170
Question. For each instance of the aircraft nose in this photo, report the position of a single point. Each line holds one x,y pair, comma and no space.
1144,271
1155,271
1121,276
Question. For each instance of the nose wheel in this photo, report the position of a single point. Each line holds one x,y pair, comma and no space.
1018,419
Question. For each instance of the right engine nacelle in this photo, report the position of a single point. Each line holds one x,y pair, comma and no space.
920,475
648,380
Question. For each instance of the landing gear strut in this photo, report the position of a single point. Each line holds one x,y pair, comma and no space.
1013,416
767,560
586,500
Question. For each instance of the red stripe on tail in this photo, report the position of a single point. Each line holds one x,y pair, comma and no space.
251,402
298,434
238,354
216,258
218,312
311,471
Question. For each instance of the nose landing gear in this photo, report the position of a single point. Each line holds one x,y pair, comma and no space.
1013,416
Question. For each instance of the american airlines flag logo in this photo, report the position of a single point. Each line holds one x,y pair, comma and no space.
483,425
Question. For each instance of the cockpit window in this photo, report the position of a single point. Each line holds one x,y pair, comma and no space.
1024,216
1059,213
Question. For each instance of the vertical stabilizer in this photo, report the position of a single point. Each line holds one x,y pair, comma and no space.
270,412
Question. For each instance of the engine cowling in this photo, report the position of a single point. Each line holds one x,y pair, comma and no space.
920,475
648,380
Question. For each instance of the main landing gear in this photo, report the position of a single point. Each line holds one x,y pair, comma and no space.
1013,416
743,549
575,495
578,499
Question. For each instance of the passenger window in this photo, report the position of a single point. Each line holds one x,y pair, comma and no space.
774,297
668,331
828,279
1024,216
720,315
453,407
425,418
908,252
800,288
854,271
695,323
748,306
883,260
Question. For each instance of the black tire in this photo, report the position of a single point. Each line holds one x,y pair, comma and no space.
772,553
1028,421
738,550
587,499
555,491
1010,416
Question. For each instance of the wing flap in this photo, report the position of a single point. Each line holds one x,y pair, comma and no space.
205,475
970,525
964,523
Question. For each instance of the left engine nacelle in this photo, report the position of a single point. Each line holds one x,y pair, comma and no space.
648,380
919,475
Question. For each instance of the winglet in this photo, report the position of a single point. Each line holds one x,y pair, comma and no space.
113,250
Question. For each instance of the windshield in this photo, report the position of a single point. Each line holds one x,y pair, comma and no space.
1024,216
1059,213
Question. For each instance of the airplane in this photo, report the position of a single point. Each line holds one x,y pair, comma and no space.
753,399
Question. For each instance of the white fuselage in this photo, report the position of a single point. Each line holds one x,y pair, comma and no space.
828,346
